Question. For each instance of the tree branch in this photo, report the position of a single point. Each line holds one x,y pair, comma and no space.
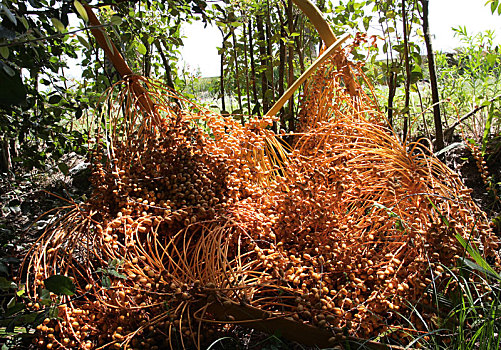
55,36
450,130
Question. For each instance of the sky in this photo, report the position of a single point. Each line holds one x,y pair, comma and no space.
200,44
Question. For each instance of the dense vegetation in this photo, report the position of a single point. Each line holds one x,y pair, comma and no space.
448,102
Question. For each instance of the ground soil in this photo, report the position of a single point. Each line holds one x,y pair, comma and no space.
460,160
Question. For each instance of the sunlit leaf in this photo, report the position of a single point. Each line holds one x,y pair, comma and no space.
58,25
141,48
476,267
494,4
84,42
116,20
81,10
366,21
475,254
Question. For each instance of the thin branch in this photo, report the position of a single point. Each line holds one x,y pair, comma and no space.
55,36
450,130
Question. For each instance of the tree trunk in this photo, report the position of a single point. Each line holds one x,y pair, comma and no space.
253,70
439,133
300,45
392,89
269,52
168,72
246,65
147,59
290,75
407,73
237,76
262,54
13,148
269,55
221,77
221,82
281,63
5,160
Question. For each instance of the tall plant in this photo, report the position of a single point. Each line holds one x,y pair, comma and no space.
40,109
269,44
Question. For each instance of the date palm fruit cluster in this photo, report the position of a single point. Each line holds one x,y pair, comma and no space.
344,229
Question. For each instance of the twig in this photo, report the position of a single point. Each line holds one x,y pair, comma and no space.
55,36
450,130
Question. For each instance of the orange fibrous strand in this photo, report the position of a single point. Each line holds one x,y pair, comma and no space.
343,228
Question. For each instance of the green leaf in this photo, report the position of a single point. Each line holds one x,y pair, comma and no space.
11,303
53,313
12,89
63,168
4,51
141,48
476,267
117,274
54,99
9,14
108,41
84,42
494,4
389,211
116,20
60,285
58,25
106,281
25,23
442,217
45,297
78,113
81,10
491,59
114,263
475,254
11,72
5,284
14,308
367,21
3,268
487,129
